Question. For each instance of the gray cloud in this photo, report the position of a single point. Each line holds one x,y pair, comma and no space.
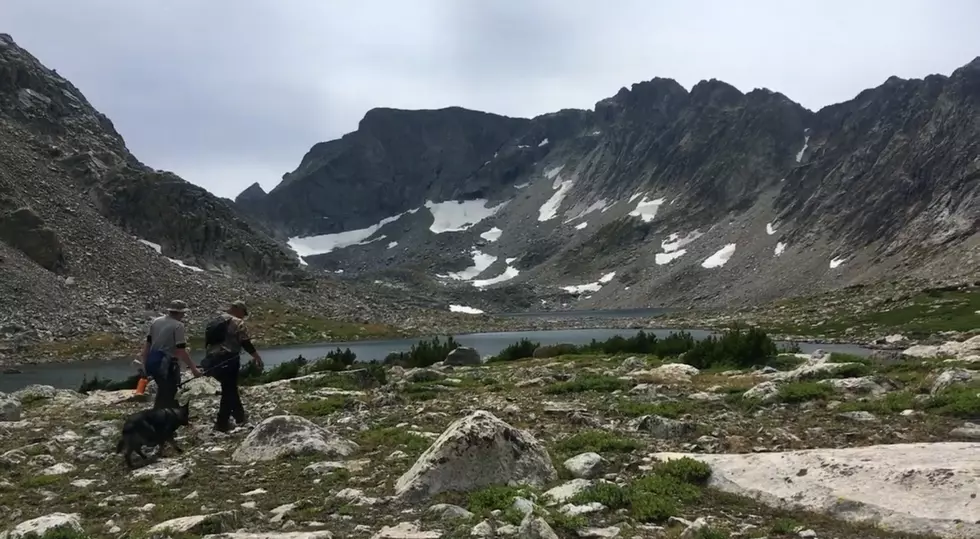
226,93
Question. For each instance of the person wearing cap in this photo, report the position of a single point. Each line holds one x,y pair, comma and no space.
223,361
165,343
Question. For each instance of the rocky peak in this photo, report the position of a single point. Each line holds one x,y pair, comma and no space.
254,192
716,93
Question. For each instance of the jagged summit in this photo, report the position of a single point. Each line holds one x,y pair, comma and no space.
707,196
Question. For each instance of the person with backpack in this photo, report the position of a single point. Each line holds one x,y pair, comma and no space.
225,337
166,343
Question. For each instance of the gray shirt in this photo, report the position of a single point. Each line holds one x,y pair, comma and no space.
165,334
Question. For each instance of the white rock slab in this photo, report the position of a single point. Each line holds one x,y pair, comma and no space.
924,488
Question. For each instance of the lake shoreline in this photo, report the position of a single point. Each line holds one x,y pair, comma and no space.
531,322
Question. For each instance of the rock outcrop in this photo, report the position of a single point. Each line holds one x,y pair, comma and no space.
476,451
915,488
287,435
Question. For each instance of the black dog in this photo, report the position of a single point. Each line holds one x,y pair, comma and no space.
153,427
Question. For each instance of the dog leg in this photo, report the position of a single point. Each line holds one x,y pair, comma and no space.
129,458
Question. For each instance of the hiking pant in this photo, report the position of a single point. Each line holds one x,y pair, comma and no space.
167,380
231,402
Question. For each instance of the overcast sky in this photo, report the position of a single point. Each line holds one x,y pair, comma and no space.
230,92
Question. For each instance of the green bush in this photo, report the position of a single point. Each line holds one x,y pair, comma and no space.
106,384
597,441
656,497
734,348
796,392
423,353
957,401
555,350
522,349
335,361
642,343
588,382
251,375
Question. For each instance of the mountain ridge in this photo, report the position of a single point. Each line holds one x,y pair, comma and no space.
712,157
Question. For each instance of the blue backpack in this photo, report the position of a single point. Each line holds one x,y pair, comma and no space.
154,362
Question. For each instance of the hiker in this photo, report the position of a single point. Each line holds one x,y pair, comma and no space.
225,338
166,342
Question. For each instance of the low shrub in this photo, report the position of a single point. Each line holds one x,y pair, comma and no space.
105,384
522,349
735,348
423,353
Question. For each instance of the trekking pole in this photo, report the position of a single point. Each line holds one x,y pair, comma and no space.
206,371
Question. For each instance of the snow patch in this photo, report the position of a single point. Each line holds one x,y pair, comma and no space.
675,241
668,257
553,172
508,274
806,142
510,260
596,133
549,210
481,261
770,229
646,209
837,262
590,287
464,309
392,245
457,216
636,196
780,248
522,185
159,249
543,143
492,235
720,258
325,243
581,225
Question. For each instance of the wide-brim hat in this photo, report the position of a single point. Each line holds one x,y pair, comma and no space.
177,306
238,304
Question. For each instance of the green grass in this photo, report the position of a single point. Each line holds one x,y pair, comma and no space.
668,409
664,492
890,403
588,382
597,441
496,498
957,401
924,314
392,438
321,407
784,526
797,392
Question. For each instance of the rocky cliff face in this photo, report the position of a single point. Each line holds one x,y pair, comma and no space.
93,243
658,196
46,117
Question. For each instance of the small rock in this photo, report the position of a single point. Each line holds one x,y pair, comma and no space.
535,528
58,469
483,529
807,534
950,377
585,465
522,506
164,472
40,526
424,375
447,511
562,493
694,528
194,524
289,435
10,408
576,510
406,530
858,416
463,355
600,533
633,363
662,427
966,432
